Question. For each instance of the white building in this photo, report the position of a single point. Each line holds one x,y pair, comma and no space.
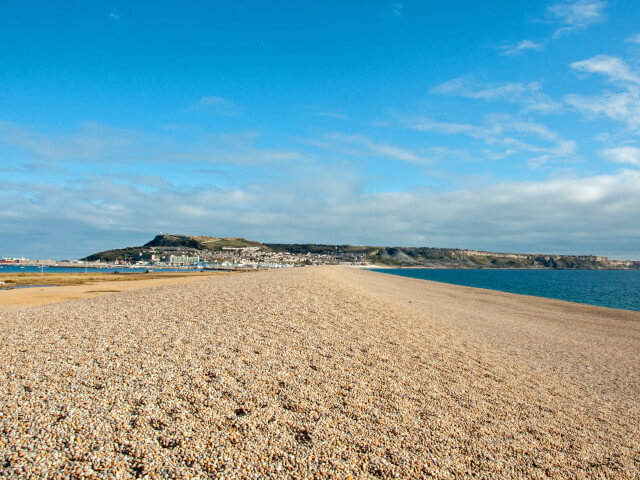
183,260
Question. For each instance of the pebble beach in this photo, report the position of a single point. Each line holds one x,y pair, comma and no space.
318,372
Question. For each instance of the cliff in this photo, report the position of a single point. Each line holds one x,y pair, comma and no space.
427,257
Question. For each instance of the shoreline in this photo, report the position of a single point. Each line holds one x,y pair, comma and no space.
532,289
426,267
35,295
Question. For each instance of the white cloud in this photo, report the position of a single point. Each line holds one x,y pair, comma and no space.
504,130
529,94
570,15
612,67
463,86
361,145
104,147
92,141
217,104
622,106
634,39
214,101
596,214
450,128
574,15
336,115
521,47
83,213
625,154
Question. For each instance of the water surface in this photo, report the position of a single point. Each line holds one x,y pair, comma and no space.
605,288
31,269
9,286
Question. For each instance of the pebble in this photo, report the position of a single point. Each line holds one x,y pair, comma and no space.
282,374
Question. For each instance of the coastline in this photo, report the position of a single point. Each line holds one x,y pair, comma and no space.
322,371
618,289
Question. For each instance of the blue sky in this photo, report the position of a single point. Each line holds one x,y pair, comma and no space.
509,126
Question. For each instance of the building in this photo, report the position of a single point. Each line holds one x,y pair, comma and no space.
183,260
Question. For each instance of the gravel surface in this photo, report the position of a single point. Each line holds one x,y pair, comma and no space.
318,373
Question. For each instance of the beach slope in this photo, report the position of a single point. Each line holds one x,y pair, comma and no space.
322,372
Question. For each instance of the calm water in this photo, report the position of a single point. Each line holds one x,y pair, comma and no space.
16,269
606,288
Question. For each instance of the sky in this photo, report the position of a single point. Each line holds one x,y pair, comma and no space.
501,126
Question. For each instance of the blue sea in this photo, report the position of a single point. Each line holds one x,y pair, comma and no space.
605,288
18,269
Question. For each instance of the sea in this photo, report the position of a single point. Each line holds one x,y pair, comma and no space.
604,288
27,269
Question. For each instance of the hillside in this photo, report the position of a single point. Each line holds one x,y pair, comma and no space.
218,247
212,244
167,243
455,258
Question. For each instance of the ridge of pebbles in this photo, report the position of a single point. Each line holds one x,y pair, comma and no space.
283,374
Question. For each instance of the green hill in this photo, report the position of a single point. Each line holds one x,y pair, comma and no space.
164,242
212,244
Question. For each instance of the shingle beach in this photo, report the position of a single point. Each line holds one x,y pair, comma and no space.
319,372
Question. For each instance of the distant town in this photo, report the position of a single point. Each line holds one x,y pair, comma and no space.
167,251
229,258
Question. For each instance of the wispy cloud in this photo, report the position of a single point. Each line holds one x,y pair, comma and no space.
511,133
570,16
575,15
361,145
625,154
624,105
614,68
452,128
521,47
218,104
106,147
91,142
214,101
336,115
634,39
396,9
114,16
529,94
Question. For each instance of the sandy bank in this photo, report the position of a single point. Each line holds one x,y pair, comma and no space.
22,297
319,373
